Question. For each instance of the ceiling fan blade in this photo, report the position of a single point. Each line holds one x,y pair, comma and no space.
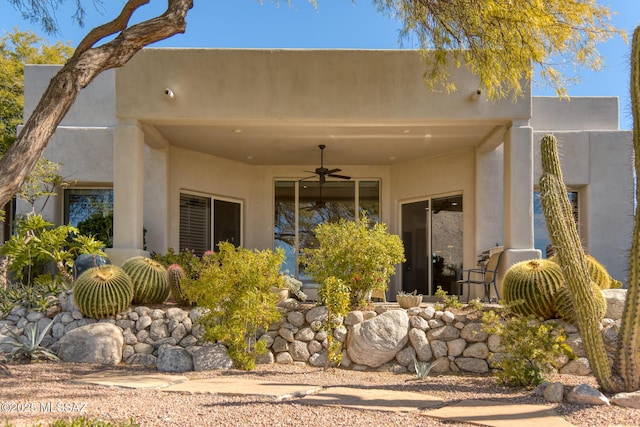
339,176
329,172
308,177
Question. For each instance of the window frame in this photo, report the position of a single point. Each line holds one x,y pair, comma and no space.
212,199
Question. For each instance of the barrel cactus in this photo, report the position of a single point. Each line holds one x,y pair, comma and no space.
103,291
530,287
566,311
150,280
599,274
176,274
86,261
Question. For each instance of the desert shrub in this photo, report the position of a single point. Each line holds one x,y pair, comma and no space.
234,286
99,226
362,255
334,295
39,295
447,301
38,242
529,348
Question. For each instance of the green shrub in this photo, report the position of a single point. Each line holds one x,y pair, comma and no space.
99,226
38,242
448,301
335,295
234,286
361,255
529,348
39,296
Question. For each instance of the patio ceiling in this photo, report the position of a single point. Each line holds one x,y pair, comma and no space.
347,144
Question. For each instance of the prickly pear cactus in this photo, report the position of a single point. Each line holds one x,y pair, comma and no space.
150,280
176,274
103,291
530,287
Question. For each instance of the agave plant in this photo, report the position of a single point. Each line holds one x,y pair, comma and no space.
422,368
31,349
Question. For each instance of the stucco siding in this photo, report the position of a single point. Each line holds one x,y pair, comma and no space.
94,106
576,113
220,84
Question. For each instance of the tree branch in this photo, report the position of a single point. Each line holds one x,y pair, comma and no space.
76,74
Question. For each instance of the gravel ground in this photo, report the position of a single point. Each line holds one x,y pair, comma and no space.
29,386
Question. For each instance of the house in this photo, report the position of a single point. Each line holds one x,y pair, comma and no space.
194,146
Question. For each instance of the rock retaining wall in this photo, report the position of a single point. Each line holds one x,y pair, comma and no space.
383,339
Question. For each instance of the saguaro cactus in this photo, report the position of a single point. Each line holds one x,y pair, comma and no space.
572,260
628,363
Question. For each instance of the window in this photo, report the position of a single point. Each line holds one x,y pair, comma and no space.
80,204
91,211
301,205
540,232
206,221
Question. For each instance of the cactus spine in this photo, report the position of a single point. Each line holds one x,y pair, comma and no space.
103,291
150,280
628,363
176,274
572,260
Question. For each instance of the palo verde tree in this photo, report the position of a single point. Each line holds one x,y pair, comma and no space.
502,42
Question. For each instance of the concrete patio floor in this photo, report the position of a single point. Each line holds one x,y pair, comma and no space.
478,412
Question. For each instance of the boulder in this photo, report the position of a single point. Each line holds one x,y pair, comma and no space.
473,332
586,395
627,400
471,364
148,360
419,342
554,392
173,358
376,341
211,357
615,302
95,343
579,366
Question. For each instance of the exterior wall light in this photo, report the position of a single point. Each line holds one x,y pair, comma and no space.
168,93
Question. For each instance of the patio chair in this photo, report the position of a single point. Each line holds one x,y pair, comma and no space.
485,275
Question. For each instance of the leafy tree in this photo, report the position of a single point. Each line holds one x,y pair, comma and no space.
501,40
16,49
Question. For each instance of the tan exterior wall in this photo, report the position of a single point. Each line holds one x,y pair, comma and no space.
300,86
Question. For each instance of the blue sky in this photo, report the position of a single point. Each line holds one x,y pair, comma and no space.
335,24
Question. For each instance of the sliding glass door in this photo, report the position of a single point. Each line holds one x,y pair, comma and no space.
300,206
432,238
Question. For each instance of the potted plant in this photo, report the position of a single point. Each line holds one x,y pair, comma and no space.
409,299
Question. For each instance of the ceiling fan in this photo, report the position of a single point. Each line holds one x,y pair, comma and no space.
323,172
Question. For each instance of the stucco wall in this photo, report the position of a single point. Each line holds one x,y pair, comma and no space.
94,106
296,84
